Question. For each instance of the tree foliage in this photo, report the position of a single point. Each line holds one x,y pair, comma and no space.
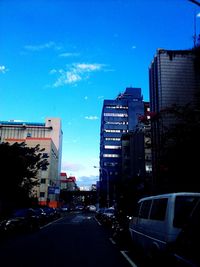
19,166
180,146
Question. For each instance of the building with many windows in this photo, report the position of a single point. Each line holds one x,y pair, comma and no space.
119,116
174,77
49,136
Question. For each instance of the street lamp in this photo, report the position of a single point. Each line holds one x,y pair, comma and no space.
107,184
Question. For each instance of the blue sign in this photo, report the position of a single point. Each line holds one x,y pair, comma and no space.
52,190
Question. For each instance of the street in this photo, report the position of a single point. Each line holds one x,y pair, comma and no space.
73,240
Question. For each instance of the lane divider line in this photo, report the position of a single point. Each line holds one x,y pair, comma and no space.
128,258
112,241
97,221
59,219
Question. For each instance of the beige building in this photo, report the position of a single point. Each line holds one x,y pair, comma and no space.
49,136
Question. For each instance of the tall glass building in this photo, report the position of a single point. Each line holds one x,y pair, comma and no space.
119,116
174,78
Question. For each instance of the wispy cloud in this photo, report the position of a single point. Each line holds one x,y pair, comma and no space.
72,167
87,180
3,69
75,73
198,15
92,118
68,54
40,47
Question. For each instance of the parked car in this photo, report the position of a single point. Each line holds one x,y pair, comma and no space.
3,228
64,209
108,216
79,207
42,216
160,220
50,214
91,208
99,213
22,220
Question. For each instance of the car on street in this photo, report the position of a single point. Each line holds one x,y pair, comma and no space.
21,220
159,221
108,216
91,208
42,216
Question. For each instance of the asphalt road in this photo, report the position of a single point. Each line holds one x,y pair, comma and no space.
72,241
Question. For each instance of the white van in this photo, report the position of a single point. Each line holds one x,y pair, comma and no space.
159,220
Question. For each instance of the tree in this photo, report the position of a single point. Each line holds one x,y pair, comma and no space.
180,146
19,166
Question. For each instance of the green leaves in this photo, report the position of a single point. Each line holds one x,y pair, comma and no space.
19,166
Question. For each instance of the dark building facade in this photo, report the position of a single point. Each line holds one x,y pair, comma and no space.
119,116
174,79
136,178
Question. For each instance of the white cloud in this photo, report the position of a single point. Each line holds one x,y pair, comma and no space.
72,167
72,77
198,15
75,73
40,47
91,117
87,181
86,97
53,71
68,54
82,67
3,69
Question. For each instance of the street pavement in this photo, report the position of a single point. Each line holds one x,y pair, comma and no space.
72,241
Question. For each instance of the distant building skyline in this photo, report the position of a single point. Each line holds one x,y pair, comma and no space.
119,116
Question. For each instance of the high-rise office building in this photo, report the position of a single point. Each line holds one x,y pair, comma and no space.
119,116
49,136
174,77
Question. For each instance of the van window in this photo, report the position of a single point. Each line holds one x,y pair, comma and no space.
158,210
144,211
137,210
183,208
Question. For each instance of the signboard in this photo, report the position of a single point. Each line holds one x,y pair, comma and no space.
52,190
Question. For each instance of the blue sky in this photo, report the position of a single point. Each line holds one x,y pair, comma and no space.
62,58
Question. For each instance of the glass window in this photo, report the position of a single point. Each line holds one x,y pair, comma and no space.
183,207
144,211
42,194
158,210
111,155
112,147
43,181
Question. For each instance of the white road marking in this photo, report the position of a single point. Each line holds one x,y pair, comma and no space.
128,259
41,227
112,241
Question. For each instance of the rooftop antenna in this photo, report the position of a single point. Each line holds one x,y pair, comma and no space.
195,29
195,22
